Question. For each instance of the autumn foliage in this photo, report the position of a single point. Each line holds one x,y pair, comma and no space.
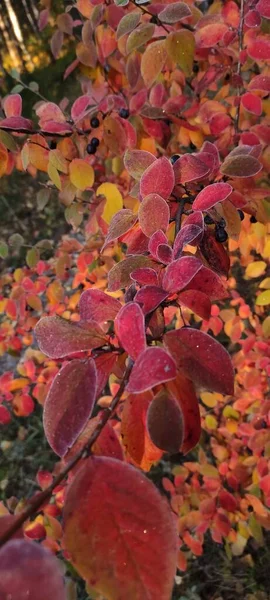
136,337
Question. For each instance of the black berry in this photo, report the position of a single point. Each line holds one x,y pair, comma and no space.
208,220
95,142
53,145
241,215
222,223
221,235
94,122
196,68
253,219
90,149
124,113
174,158
154,20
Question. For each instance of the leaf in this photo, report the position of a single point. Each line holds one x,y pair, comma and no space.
153,60
256,268
81,174
130,329
188,234
150,297
252,103
58,338
263,299
165,423
259,48
263,8
32,257
154,214
260,82
215,253
209,283
144,276
210,35
27,569
180,272
16,123
189,168
137,161
121,222
241,166
128,23
174,12
182,390
197,302
95,305
120,552
140,36
157,239
201,358
114,200
12,105
180,46
158,178
154,366
16,240
3,249
211,195
87,54
65,23
114,135
119,275
7,140
135,436
107,443
56,43
69,404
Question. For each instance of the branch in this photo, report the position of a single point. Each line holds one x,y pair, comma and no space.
238,70
179,215
36,504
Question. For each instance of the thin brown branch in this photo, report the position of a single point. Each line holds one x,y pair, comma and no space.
36,504
179,214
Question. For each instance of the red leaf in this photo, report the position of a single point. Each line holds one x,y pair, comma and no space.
135,437
189,168
154,214
137,242
158,178
263,8
210,35
260,82
252,18
202,359
145,276
130,329
209,283
196,301
58,338
165,423
215,253
121,222
164,253
154,366
183,392
150,297
259,48
180,272
252,103
107,443
12,105
120,552
227,501
54,127
78,109
16,123
189,234
56,42
97,306
69,404
211,195
155,241
29,570
240,165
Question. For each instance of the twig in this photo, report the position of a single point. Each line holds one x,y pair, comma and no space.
238,70
39,500
179,215
147,12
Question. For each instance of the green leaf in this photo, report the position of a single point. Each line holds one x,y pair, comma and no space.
180,46
16,241
8,141
34,86
3,249
121,2
17,88
32,257
43,197
73,216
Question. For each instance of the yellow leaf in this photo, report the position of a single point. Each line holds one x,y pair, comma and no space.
18,384
211,422
263,299
265,284
58,161
209,471
256,269
54,176
114,200
180,46
81,174
209,399
153,60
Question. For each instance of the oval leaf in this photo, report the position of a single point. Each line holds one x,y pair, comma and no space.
69,404
154,214
158,178
119,275
97,306
165,423
121,222
241,166
153,60
120,552
130,329
180,46
137,161
174,12
211,195
201,358
58,338
180,272
154,366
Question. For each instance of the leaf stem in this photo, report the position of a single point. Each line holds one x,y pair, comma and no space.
36,504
